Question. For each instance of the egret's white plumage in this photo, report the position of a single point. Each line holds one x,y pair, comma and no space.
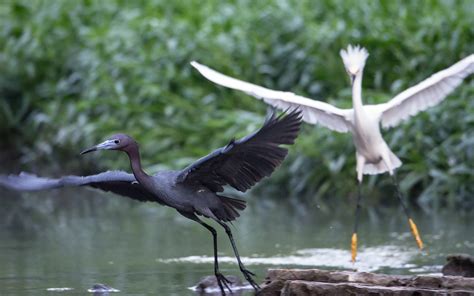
354,58
363,121
372,152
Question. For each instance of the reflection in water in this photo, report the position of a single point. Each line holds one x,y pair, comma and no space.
76,238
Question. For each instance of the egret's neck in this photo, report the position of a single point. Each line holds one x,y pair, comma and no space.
135,163
357,92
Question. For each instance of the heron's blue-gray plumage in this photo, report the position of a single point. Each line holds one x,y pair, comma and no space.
194,190
241,164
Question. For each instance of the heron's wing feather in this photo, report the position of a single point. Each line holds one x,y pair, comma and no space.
313,111
428,93
243,163
118,182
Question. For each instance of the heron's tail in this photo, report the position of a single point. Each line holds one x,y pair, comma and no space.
380,167
230,209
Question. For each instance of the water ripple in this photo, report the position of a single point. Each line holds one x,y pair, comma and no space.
369,259
63,289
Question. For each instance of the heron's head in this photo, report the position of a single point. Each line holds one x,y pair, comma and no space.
115,142
354,59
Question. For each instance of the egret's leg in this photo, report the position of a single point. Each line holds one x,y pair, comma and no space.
360,169
221,279
412,224
354,233
247,274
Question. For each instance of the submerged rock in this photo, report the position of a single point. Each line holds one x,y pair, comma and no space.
208,285
102,290
460,265
321,282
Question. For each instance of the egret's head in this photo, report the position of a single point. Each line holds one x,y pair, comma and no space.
115,142
354,59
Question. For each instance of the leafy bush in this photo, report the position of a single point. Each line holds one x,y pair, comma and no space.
74,72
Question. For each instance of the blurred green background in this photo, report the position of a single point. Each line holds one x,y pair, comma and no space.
75,72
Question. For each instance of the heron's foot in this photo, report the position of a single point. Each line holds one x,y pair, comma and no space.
249,277
222,281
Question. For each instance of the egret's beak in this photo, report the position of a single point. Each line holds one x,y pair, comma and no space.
353,77
352,73
109,144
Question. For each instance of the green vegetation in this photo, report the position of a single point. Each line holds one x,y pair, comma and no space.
74,72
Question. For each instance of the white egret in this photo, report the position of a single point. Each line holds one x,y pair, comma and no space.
372,153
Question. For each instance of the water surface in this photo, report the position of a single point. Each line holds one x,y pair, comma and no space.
76,238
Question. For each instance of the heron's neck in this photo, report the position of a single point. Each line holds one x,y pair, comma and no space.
135,163
357,92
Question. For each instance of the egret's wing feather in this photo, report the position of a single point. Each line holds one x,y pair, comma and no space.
243,163
313,111
118,182
425,94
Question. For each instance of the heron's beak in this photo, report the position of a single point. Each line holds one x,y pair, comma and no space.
109,144
94,148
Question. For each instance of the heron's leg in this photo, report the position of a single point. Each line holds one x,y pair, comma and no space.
247,274
412,224
360,169
221,279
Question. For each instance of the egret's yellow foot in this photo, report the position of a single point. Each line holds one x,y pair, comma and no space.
354,247
416,234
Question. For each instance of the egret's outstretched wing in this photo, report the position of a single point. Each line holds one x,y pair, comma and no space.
244,162
425,94
313,111
118,182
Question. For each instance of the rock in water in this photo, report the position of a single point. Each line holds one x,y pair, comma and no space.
208,284
460,265
296,282
102,290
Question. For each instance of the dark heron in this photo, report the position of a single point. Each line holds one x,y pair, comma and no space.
193,191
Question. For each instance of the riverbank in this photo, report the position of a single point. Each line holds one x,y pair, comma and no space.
323,282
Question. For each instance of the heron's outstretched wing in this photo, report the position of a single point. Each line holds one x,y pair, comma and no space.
118,182
313,111
425,94
244,162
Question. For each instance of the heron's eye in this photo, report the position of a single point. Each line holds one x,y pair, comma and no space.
117,141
